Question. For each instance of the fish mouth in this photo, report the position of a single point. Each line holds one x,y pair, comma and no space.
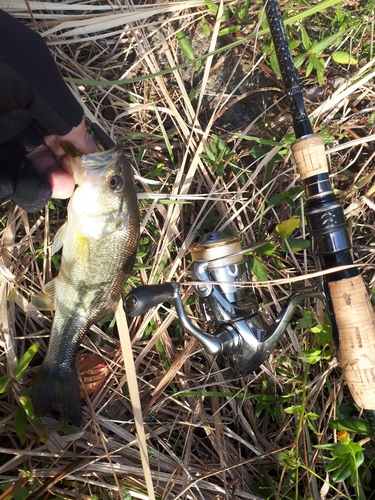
102,158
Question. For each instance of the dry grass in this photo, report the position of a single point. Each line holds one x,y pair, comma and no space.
207,437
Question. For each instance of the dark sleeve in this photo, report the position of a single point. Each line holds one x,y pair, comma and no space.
32,91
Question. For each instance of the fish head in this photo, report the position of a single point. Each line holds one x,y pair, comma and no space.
98,206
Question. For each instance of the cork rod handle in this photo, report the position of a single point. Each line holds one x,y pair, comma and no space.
355,321
310,156
351,305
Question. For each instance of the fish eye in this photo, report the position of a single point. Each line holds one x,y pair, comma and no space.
116,183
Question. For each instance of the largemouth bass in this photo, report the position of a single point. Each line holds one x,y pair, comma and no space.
100,241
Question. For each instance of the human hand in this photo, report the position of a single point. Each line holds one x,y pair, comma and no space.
51,162
37,111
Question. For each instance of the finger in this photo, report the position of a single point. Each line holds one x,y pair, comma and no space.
47,165
80,138
53,143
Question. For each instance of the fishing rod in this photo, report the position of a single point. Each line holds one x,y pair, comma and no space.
228,307
349,304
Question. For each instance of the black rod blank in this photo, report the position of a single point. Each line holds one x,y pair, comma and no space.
293,87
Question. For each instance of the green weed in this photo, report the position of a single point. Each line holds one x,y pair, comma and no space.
347,459
218,155
25,409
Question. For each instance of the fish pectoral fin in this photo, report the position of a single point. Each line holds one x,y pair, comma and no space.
45,301
59,238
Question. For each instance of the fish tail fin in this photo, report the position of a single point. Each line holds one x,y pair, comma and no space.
57,389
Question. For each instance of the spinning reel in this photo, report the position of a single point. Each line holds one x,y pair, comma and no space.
227,306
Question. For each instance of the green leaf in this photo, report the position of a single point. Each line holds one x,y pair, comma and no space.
27,406
225,16
276,200
340,16
275,64
206,28
355,447
326,42
292,191
306,42
359,459
277,414
212,6
45,435
293,410
185,45
318,64
296,244
26,359
334,464
320,75
343,58
193,94
259,152
266,249
244,9
356,425
341,450
312,416
286,227
323,333
22,494
311,356
258,269
287,196
326,446
4,384
306,320
266,399
343,472
310,424
316,329
210,155
293,44
309,68
229,29
20,423
234,10
299,60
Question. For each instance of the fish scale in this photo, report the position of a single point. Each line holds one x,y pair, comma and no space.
99,247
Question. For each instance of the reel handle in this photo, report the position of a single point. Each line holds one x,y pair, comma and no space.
146,297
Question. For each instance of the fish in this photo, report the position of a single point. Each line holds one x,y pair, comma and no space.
99,242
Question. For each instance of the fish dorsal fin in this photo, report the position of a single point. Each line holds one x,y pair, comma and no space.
45,301
59,238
